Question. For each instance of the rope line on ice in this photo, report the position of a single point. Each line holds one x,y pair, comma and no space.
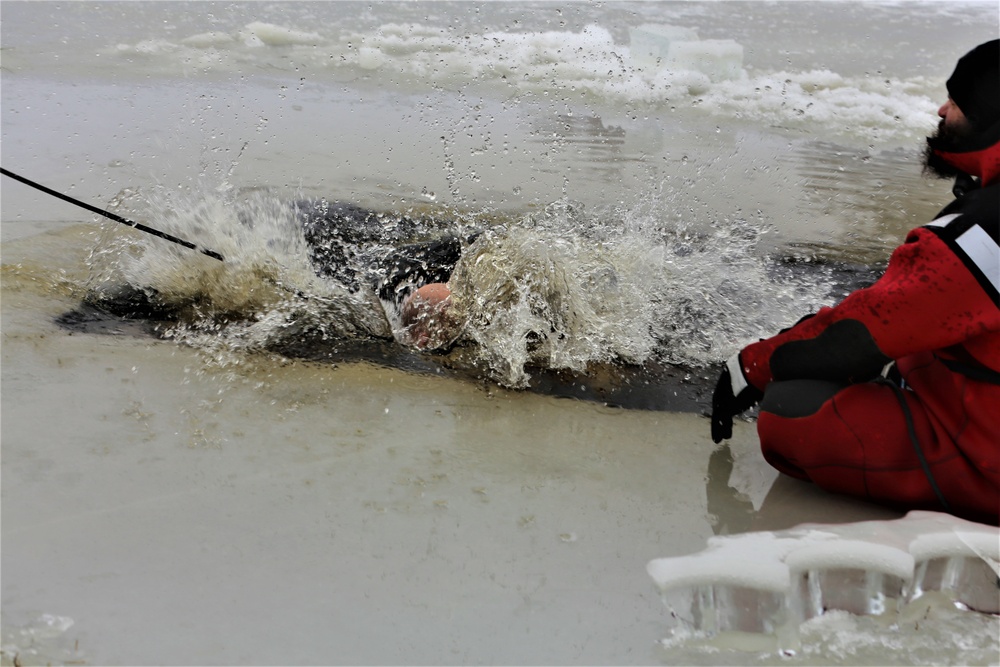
111,216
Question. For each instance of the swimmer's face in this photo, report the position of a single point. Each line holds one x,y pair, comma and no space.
429,317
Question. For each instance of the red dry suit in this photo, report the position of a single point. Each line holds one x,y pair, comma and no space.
929,437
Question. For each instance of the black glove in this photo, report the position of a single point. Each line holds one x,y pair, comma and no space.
725,405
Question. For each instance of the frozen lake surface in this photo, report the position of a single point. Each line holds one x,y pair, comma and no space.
268,478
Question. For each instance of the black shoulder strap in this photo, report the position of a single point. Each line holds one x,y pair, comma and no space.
970,226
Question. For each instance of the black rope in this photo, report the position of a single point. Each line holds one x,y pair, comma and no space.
112,216
908,417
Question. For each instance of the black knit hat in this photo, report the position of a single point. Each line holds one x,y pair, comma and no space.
975,85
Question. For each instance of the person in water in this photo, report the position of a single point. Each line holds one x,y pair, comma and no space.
411,281
414,285
893,395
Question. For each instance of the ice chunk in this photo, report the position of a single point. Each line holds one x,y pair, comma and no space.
770,583
678,49
962,564
718,59
650,43
723,608
706,593
762,568
854,590
206,40
751,475
981,543
258,32
850,575
851,554
970,582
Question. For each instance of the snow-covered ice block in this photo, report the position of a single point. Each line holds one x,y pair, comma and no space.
964,564
851,554
763,564
769,583
704,592
980,543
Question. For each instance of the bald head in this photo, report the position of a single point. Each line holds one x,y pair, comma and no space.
428,317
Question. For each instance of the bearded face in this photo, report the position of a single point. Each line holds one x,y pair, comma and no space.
949,137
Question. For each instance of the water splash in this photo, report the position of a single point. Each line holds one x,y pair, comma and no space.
565,289
265,291
558,289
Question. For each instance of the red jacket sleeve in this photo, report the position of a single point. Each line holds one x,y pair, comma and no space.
926,300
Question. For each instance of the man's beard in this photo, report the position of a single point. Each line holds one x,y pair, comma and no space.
948,139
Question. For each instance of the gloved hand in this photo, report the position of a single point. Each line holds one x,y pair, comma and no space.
729,400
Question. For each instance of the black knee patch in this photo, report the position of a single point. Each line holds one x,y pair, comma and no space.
845,350
798,398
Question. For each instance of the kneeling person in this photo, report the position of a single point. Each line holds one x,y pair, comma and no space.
894,394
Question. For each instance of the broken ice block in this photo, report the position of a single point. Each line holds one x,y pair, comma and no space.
650,43
706,593
767,584
718,59
965,565
850,575
722,608
970,582
679,49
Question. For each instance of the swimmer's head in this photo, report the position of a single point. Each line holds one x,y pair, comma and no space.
429,317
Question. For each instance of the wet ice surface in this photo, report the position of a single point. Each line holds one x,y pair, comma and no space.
795,590
288,512
285,513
